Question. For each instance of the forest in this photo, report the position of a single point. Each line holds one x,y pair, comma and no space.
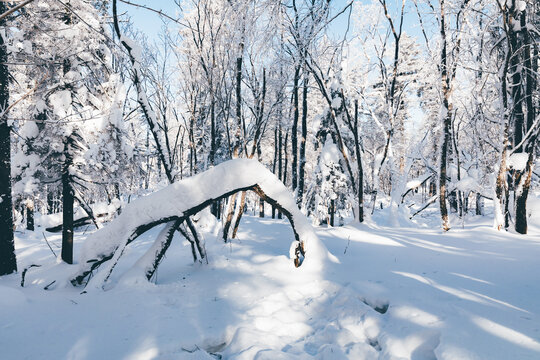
341,121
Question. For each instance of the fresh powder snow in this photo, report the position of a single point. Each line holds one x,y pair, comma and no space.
393,293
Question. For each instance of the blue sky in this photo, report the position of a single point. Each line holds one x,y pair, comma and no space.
150,23
147,21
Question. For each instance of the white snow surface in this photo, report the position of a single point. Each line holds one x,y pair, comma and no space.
518,161
329,154
29,130
471,293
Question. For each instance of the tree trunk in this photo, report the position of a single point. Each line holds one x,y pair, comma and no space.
147,174
479,204
240,213
524,178
285,166
50,200
332,211
67,205
522,193
196,238
302,165
294,131
442,175
212,130
275,163
192,147
238,137
447,120
360,193
8,262
230,214
161,245
184,232
516,85
30,214
280,158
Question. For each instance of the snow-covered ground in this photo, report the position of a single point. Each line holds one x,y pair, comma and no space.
397,293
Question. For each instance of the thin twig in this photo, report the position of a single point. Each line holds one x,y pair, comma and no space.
28,93
49,245
24,272
348,243
12,10
159,12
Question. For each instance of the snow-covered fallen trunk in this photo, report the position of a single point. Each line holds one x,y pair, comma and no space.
186,198
146,266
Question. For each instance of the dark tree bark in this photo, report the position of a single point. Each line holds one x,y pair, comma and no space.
183,231
360,193
215,206
68,197
261,208
447,120
523,177
294,131
501,185
516,76
196,239
8,262
280,156
285,165
274,164
212,131
170,228
237,147
68,192
85,220
192,146
302,164
520,71
50,200
332,211
479,204
240,213
29,214
229,218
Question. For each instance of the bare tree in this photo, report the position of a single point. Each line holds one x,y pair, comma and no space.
8,263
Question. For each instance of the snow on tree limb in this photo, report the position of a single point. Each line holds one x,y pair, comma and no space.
187,197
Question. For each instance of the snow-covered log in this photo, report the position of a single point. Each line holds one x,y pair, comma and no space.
186,198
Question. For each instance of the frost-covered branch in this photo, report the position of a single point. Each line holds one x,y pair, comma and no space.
135,56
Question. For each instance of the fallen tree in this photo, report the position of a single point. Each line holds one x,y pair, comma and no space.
182,199
82,221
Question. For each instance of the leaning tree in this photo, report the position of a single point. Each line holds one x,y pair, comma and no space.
180,200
